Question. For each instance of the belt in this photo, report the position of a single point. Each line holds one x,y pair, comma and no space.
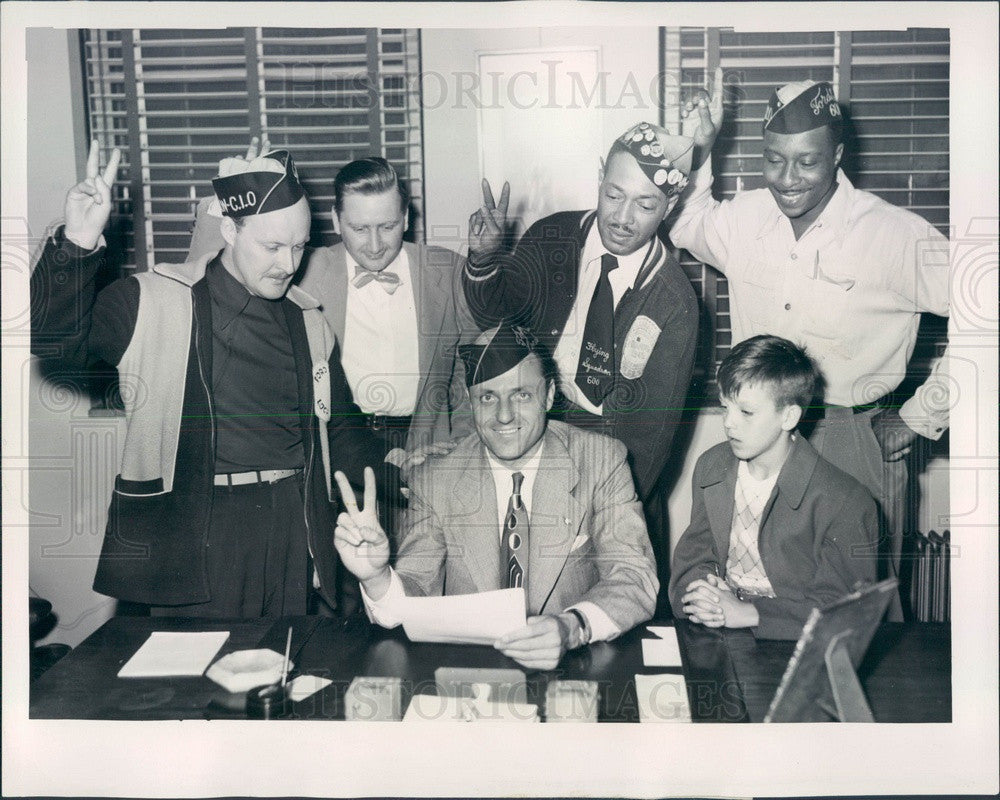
843,411
380,422
254,476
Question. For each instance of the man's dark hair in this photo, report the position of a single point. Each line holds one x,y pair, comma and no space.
772,362
371,175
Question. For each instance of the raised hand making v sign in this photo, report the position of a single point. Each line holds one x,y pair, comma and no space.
359,538
488,224
88,204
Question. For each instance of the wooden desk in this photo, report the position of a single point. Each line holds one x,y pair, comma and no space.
731,677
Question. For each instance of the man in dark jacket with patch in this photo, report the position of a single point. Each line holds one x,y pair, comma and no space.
604,294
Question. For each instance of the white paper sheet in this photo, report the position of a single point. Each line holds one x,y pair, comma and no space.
464,618
306,685
174,653
663,631
662,698
663,652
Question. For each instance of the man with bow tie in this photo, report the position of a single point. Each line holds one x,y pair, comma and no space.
521,503
396,309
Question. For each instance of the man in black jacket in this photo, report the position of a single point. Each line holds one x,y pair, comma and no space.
236,404
604,294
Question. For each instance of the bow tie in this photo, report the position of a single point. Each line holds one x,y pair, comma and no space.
388,280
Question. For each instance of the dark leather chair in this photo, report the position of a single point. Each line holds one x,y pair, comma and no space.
41,621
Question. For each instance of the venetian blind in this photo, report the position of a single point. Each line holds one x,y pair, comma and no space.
178,101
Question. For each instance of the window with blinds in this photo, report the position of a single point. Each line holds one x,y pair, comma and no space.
178,101
893,88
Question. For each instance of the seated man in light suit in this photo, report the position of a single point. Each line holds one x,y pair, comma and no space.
521,503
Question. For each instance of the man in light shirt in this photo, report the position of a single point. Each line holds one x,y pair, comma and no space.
838,271
522,502
607,298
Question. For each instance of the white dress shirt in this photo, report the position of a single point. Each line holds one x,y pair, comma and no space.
567,354
850,290
380,352
386,611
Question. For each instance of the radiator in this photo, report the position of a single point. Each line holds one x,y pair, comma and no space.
930,580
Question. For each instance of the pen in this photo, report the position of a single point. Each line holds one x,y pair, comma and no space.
288,650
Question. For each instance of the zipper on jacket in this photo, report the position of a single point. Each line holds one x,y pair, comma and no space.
211,411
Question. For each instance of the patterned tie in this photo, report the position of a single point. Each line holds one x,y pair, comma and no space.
387,280
514,556
744,568
595,371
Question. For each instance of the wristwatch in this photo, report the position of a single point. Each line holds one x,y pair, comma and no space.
584,627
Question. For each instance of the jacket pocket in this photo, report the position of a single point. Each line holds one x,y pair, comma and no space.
129,488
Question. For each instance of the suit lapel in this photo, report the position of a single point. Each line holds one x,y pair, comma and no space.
720,499
555,519
430,303
325,278
477,535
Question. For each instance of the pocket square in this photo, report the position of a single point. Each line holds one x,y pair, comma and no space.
579,542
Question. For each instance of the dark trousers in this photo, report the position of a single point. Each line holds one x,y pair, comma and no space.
258,555
393,432
654,506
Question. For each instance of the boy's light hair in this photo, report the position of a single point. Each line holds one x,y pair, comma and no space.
772,362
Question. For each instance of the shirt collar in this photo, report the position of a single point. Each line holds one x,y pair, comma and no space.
400,265
836,214
628,266
502,471
231,297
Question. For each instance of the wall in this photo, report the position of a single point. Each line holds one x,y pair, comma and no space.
451,117
73,457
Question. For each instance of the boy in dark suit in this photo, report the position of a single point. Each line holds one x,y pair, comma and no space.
775,529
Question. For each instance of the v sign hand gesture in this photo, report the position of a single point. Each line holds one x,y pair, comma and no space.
88,204
704,126
488,225
359,538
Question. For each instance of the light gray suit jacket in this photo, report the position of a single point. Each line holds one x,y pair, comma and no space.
443,322
588,539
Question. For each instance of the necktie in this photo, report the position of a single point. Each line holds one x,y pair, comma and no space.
514,555
595,371
388,280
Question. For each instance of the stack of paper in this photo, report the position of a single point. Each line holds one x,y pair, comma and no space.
463,618
662,698
169,653
662,652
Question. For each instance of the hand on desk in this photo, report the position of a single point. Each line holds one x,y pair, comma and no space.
711,602
359,538
539,644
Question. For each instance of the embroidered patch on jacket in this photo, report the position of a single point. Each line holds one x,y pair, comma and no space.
321,390
638,347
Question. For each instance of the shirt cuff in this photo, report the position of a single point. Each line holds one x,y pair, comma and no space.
385,612
700,180
602,628
480,272
61,238
927,422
